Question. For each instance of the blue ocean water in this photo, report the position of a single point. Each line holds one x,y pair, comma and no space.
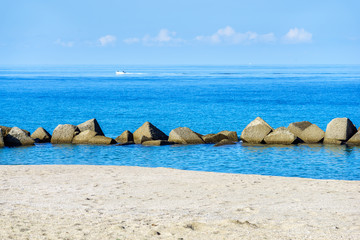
207,99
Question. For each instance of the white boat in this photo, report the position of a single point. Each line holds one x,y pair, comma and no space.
120,72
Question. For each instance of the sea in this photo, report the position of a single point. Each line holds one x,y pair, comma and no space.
207,99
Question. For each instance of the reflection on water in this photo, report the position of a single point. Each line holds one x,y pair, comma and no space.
339,149
309,161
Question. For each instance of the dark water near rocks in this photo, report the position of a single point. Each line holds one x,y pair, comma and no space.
205,98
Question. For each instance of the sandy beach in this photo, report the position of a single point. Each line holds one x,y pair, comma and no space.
116,202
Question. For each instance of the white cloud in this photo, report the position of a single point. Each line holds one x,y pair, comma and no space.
108,39
268,37
296,35
230,36
164,37
63,43
131,40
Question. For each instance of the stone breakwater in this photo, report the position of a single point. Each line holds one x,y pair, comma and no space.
338,131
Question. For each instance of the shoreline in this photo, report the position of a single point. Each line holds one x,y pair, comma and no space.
121,202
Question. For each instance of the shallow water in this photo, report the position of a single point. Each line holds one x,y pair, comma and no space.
205,98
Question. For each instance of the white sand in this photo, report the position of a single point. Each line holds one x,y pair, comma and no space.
107,202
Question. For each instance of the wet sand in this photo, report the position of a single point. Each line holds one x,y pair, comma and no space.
116,202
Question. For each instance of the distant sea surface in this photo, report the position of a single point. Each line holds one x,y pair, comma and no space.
207,99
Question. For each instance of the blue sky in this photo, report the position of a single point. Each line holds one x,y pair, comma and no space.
179,32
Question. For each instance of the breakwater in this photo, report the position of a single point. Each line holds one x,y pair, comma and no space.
338,131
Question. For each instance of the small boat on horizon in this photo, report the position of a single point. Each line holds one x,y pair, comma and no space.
120,72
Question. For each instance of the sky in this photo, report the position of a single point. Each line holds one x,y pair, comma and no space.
179,32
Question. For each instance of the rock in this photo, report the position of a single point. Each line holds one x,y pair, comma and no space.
64,133
256,131
199,135
2,144
92,137
27,132
339,130
125,137
84,137
91,124
184,135
224,142
6,130
41,135
354,140
148,132
17,137
307,132
297,127
231,135
125,144
281,135
213,138
102,140
143,139
333,141
157,143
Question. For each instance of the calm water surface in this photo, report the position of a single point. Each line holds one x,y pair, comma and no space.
205,98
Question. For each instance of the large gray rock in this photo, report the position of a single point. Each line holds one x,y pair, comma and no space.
213,138
231,135
17,137
281,135
91,124
184,135
41,135
65,133
102,140
84,137
92,137
256,131
354,140
125,137
157,143
307,132
224,142
6,130
2,144
339,130
148,132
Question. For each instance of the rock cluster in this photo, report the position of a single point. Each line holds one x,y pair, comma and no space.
338,131
88,132
14,137
149,135
307,132
17,137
